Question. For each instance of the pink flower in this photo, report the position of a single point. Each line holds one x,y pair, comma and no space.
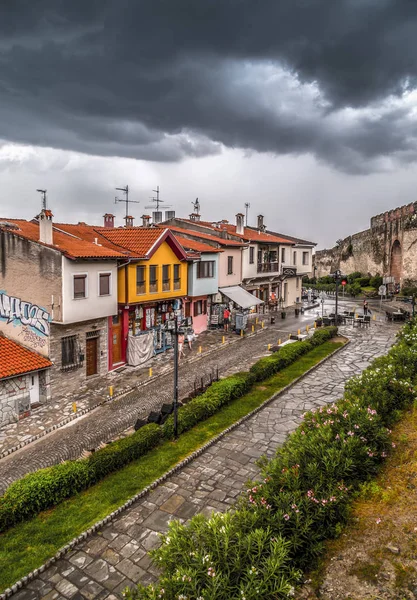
378,521
286,517
394,445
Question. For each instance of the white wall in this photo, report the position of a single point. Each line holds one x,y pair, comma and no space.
93,306
289,259
249,270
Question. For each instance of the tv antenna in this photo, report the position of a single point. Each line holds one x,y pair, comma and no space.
247,207
157,201
43,194
197,207
125,190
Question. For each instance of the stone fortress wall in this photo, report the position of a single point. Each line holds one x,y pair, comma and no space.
388,247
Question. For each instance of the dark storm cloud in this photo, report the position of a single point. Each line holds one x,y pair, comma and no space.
165,79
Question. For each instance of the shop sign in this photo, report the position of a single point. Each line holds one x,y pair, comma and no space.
289,271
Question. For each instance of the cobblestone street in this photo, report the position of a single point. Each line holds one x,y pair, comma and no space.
116,557
110,419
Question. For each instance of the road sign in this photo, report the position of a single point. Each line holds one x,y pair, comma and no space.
343,282
382,290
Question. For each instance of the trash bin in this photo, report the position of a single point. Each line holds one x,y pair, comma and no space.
296,312
272,320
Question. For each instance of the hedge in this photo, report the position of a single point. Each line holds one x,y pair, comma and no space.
40,490
301,499
47,487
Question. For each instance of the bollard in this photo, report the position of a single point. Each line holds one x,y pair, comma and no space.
256,321
111,391
307,328
315,325
289,336
373,317
200,349
74,407
150,371
253,328
241,333
223,340
262,324
269,346
279,342
298,331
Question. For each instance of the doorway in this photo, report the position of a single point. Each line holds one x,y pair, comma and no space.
33,385
116,341
92,355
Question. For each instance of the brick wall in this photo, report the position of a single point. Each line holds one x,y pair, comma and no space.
75,380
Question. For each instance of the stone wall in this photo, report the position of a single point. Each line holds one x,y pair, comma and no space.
388,247
74,381
14,399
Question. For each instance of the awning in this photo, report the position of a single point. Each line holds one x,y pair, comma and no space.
240,296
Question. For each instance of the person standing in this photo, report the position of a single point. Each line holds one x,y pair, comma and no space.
226,318
365,307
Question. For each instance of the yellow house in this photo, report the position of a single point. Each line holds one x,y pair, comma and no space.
151,286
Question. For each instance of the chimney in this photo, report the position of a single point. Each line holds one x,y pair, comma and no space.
240,223
108,220
129,221
145,220
45,226
194,217
261,225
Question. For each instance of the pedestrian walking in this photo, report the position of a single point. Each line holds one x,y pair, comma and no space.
180,346
365,307
226,319
190,338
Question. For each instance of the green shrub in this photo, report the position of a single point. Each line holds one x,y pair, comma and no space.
376,281
364,281
355,275
45,488
204,406
304,493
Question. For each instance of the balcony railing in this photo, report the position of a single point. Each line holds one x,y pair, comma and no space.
268,267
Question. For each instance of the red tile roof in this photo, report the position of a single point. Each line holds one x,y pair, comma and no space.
138,240
205,236
251,235
70,245
195,245
16,360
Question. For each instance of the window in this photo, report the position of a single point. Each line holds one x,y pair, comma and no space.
140,280
205,268
177,277
69,351
230,265
80,286
166,283
305,258
153,278
251,255
294,258
200,307
104,284
283,255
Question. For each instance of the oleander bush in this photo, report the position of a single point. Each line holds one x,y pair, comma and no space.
47,487
301,499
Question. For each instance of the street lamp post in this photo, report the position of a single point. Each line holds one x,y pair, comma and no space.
176,379
337,276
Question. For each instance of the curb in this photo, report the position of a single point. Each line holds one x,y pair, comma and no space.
117,396
10,591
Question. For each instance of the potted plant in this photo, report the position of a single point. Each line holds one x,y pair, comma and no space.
283,314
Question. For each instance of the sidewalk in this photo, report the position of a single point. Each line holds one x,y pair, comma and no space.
109,420
106,562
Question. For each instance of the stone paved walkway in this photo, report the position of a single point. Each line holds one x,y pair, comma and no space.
109,420
116,557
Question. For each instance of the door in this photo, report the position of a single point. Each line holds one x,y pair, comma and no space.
33,388
285,294
91,356
116,341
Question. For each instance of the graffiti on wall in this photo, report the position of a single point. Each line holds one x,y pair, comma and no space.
18,312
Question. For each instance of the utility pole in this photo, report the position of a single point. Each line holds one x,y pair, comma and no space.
336,276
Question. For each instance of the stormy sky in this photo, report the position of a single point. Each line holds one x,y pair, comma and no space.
306,109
